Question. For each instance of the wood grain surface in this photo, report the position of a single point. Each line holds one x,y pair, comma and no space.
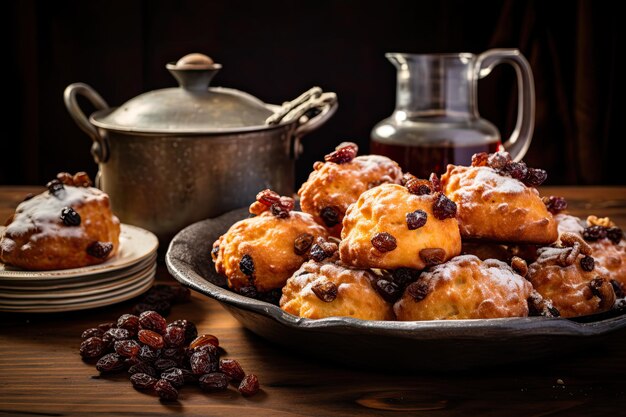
41,372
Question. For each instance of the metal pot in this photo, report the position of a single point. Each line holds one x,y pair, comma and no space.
171,157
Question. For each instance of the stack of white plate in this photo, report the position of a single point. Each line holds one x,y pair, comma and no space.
129,273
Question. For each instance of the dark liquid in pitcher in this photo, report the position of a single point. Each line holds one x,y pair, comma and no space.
422,160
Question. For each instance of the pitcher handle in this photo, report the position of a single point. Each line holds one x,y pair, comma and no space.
99,148
519,142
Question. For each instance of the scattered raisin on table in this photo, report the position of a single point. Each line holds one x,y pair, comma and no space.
249,385
214,381
143,381
232,369
165,390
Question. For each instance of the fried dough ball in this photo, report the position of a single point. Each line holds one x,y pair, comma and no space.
333,186
263,251
332,289
69,226
498,208
390,228
571,278
465,288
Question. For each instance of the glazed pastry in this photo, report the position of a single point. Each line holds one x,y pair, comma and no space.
69,226
606,241
338,182
571,278
331,289
390,227
495,206
465,288
258,254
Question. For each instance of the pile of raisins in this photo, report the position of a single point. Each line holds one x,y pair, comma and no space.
504,165
161,357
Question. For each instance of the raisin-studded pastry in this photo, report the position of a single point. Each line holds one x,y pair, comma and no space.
329,288
606,241
393,226
571,278
258,254
338,182
69,226
497,201
466,288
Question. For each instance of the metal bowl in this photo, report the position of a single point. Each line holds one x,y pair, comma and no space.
437,345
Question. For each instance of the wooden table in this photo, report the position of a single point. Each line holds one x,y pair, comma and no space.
41,372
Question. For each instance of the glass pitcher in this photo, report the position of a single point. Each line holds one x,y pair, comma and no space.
436,120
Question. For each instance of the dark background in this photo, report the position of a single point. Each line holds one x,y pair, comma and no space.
277,49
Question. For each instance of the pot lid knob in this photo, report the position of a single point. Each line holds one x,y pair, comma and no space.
194,72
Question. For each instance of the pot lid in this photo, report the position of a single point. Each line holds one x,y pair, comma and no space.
193,107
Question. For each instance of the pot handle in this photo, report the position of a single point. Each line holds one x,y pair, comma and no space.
311,110
99,148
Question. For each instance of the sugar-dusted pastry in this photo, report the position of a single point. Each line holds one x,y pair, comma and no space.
465,288
258,254
338,182
497,201
332,289
570,277
69,226
391,227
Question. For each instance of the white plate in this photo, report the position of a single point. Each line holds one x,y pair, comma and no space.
36,296
136,244
31,285
109,297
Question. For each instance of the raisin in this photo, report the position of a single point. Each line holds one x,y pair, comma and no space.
142,381
93,347
498,160
114,334
587,263
286,203
111,362
151,338
209,349
418,290
404,276
267,197
213,381
330,216
66,178
519,265
191,332
174,376
129,322
93,332
617,289
480,159
432,256
148,354
555,204
249,291
106,326
435,182
55,187
249,385
202,363
593,233
175,354
151,320
189,376
416,219
278,211
81,179
415,185
205,339
388,290
342,154
246,265
232,369
443,207
614,234
127,348
163,364
384,242
302,243
70,217
322,249
99,250
535,177
325,291
517,170
165,390
142,368
174,336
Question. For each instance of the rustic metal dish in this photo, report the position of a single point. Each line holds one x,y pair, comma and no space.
453,344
